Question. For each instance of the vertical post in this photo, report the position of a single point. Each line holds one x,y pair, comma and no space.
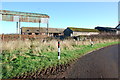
39,27
58,49
91,42
47,27
17,20
17,27
3,37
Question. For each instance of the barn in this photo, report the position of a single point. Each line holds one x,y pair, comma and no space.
41,31
118,29
106,30
72,31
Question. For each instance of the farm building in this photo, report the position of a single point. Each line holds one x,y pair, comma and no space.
71,31
118,29
106,30
41,31
19,17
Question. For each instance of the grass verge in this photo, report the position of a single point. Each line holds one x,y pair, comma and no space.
31,63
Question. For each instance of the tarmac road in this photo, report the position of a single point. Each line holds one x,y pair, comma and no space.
102,63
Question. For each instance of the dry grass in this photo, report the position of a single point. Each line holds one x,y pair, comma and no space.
38,54
38,47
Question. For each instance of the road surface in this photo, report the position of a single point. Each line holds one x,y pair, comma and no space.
102,63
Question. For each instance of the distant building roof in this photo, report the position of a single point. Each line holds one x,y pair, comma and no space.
82,29
118,27
42,30
105,29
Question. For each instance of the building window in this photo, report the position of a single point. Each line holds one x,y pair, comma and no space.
36,33
37,30
29,33
28,30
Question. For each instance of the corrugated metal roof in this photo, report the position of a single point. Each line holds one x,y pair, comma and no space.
23,16
16,13
82,29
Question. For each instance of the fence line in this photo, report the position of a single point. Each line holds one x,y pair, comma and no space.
7,37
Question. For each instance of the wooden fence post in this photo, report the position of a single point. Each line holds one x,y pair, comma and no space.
2,37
